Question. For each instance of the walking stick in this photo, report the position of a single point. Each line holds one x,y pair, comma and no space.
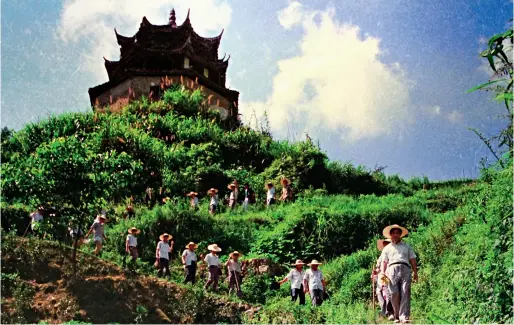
239,293
26,230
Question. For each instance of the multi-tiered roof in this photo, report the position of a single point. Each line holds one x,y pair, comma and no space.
168,50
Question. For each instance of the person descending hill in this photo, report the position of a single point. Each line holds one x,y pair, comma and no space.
213,262
130,208
270,197
287,191
131,243
236,190
162,254
314,283
234,273
249,196
98,229
296,277
193,200
232,199
397,260
213,204
381,291
36,219
189,261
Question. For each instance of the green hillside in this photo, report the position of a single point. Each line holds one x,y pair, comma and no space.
82,163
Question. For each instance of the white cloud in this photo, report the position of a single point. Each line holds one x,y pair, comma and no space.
94,21
455,117
336,83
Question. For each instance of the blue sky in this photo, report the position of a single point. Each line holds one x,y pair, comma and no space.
376,82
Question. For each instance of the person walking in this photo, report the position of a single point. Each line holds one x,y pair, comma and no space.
234,273
400,267
270,197
213,262
381,291
98,229
296,277
213,204
232,199
193,200
314,283
36,219
287,191
162,254
189,261
131,244
249,196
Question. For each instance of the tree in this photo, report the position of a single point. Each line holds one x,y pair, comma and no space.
499,56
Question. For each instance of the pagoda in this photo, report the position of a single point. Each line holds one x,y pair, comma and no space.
159,56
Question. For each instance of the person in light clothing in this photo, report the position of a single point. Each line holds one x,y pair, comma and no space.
98,229
382,293
270,197
287,191
296,277
213,204
314,283
232,198
234,273
131,243
397,260
37,218
249,196
162,254
189,261
193,200
213,262
236,190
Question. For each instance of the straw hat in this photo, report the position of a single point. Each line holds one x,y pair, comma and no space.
298,262
161,237
214,247
314,262
192,243
134,228
381,243
285,179
234,253
269,183
101,216
212,190
192,194
387,231
231,186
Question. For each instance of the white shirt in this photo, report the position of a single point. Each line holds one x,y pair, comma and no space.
232,196
189,256
36,217
271,193
132,240
296,278
164,249
395,253
194,202
314,279
214,199
234,266
212,259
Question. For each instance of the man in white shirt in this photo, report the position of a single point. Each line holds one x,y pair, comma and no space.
270,197
37,217
213,204
397,260
193,200
213,262
162,254
131,243
234,273
189,262
314,283
296,277
232,198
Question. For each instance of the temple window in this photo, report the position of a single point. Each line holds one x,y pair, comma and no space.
206,72
186,63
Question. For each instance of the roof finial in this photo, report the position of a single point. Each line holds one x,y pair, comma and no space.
172,18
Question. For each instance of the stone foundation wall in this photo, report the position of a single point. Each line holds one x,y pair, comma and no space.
120,95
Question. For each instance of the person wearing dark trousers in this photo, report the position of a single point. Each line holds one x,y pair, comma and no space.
162,253
296,277
314,283
189,261
214,264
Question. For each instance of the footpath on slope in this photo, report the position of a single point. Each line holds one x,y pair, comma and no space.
103,293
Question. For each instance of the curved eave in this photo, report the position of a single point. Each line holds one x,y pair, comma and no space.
124,40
